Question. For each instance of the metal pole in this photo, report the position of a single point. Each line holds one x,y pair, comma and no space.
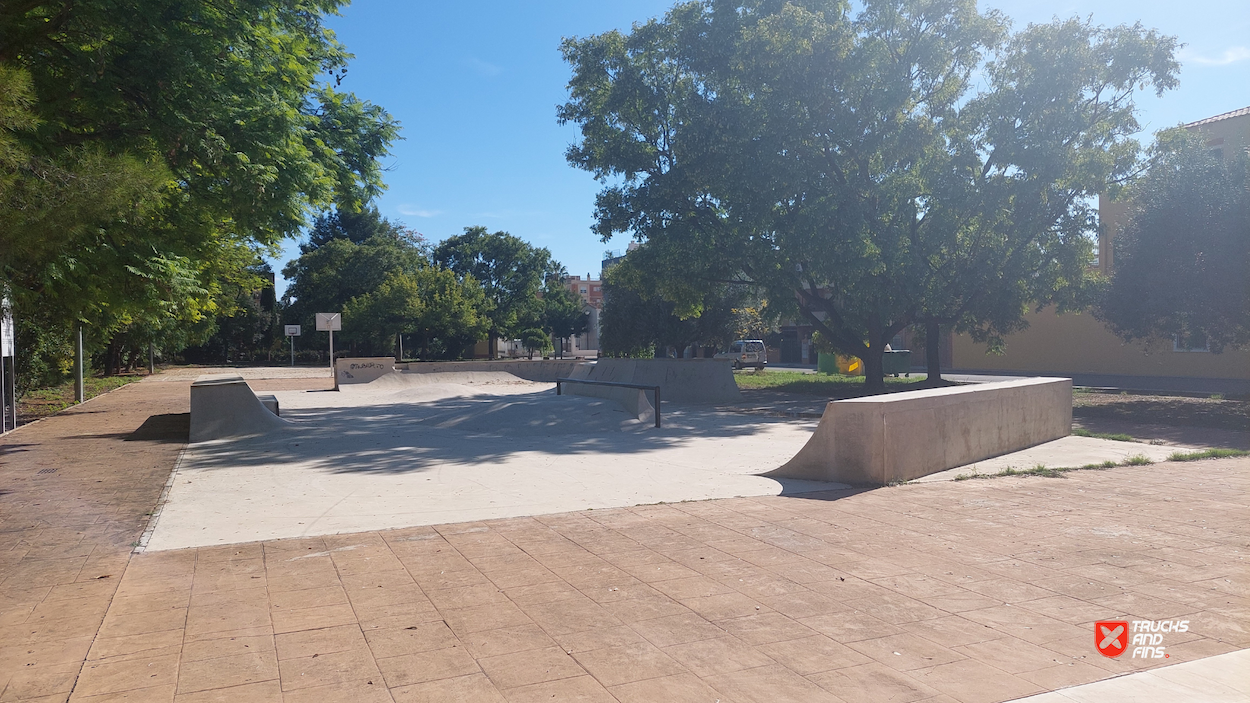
13,385
401,348
4,403
657,406
79,391
331,350
151,358
292,338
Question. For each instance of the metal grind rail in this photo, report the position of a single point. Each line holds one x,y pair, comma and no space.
653,389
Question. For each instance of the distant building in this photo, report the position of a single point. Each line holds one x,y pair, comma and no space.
1078,343
591,290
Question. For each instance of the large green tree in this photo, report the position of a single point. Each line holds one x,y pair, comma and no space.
637,321
512,271
1182,261
340,264
850,168
564,314
439,312
152,151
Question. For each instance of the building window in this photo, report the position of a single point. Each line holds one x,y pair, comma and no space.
1189,344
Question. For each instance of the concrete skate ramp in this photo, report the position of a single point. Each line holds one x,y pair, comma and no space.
902,436
225,406
406,387
546,371
680,380
637,402
409,387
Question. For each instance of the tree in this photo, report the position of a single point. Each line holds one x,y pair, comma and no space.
636,321
247,331
564,314
153,150
324,278
1182,261
443,314
847,169
511,270
357,228
534,339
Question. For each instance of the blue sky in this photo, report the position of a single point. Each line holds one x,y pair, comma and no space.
476,85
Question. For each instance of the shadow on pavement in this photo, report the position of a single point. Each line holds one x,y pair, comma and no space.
403,438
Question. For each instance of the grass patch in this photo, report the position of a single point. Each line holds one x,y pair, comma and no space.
43,402
827,385
1207,454
1117,436
1043,471
1135,460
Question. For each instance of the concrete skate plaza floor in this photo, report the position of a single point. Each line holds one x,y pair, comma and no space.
458,447
976,591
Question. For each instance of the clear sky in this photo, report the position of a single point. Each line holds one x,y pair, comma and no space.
475,85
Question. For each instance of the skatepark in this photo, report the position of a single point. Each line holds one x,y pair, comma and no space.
408,449
131,573
395,446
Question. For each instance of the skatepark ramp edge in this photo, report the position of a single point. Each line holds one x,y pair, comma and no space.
896,437
225,407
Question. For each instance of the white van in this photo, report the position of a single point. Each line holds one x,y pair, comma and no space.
746,352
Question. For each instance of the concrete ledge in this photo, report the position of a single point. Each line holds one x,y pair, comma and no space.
225,406
362,370
903,436
636,402
680,380
270,402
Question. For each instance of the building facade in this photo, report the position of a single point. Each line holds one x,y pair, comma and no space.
1078,343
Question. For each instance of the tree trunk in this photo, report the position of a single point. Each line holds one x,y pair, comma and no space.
874,373
933,352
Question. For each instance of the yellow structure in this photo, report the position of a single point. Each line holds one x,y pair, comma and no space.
1078,343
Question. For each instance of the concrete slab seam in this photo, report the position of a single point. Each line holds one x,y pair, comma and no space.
160,504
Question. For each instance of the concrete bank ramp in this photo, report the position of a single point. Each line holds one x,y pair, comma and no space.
225,407
895,437
408,379
680,380
536,410
544,371
405,387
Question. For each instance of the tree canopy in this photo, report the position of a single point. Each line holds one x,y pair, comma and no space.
379,275
440,312
637,322
151,151
1182,261
348,255
564,313
512,271
849,167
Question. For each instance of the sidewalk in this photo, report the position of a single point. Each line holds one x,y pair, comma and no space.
75,491
970,591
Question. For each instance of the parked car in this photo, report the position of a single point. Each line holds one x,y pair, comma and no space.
746,352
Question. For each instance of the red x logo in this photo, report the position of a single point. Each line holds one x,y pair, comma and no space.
1111,637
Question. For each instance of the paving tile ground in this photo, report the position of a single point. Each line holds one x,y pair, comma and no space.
969,591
